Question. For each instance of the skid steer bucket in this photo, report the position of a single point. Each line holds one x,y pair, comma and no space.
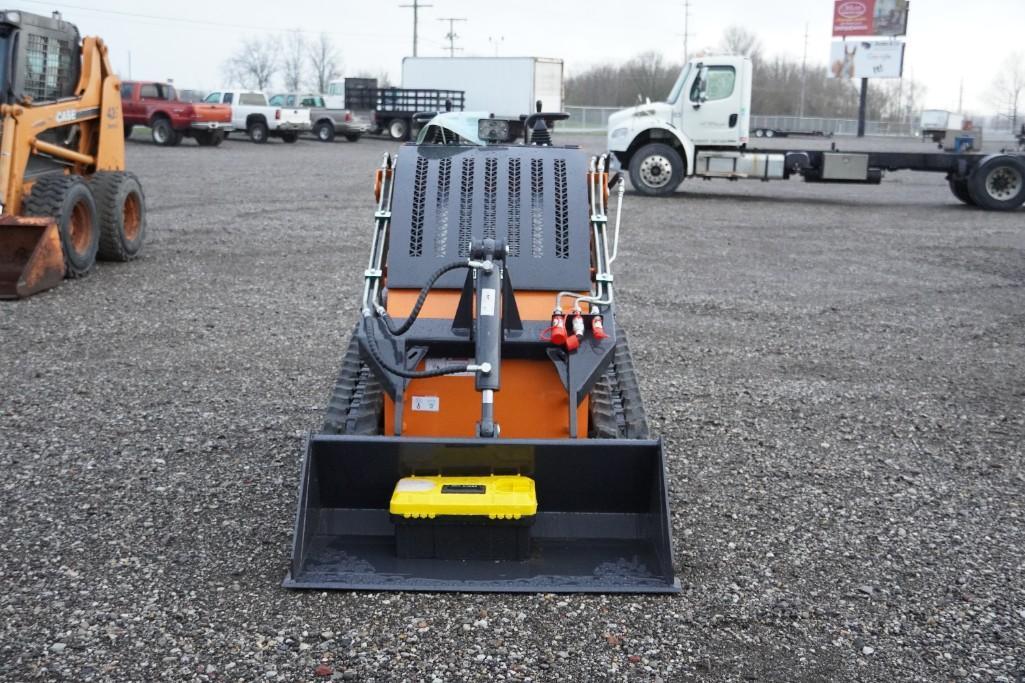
602,522
31,258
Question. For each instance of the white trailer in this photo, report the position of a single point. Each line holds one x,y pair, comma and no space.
503,86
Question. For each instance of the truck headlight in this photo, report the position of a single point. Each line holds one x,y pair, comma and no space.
619,132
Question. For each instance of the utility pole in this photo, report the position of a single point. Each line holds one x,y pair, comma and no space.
417,5
804,68
686,29
960,97
451,35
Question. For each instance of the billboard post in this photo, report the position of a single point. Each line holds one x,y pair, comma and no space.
862,107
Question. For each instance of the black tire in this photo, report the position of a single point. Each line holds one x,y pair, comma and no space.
770,133
121,207
353,137
226,134
656,169
257,132
357,401
209,138
398,129
616,408
759,133
324,131
289,137
176,139
69,201
959,187
998,183
162,133
128,130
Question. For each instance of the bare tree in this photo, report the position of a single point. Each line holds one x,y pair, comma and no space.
326,63
255,62
737,40
1006,92
293,62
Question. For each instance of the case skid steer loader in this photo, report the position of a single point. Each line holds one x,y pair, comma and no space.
65,196
486,431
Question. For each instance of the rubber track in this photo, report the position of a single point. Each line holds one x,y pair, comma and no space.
356,402
617,411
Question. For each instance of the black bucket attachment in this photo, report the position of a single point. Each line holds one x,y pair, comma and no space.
602,523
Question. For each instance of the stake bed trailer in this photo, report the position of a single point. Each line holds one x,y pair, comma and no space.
702,130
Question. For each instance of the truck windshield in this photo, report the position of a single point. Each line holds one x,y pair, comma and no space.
674,94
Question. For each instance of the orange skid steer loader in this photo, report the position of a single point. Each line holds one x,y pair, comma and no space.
65,195
486,431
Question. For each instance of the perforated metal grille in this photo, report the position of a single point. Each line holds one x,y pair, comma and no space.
444,186
466,207
416,219
561,211
513,229
48,67
490,196
537,208
533,198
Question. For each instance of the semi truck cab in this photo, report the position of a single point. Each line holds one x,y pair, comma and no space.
709,106
703,129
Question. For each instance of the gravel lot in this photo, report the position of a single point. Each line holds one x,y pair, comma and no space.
838,373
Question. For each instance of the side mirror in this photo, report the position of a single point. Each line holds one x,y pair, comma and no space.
702,85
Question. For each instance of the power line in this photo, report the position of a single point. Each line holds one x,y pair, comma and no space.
416,19
148,18
451,35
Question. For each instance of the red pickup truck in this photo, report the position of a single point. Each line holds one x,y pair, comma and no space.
147,103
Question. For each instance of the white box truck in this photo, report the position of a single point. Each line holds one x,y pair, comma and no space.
503,86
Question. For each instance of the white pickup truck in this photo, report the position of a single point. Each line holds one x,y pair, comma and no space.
251,113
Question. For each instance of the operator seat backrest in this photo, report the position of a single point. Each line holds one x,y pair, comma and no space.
535,198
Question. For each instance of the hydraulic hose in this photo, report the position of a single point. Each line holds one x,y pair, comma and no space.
402,372
404,327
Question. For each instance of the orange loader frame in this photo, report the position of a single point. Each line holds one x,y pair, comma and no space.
31,253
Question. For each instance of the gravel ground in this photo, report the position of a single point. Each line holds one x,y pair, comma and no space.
837,372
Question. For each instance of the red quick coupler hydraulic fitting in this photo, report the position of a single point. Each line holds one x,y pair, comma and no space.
598,328
577,321
558,327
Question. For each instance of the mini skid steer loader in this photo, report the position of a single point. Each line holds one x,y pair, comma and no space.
486,431
65,197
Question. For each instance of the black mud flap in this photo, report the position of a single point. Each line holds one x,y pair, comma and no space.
602,524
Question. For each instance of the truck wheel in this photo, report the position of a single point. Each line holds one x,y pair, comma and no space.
353,137
209,138
759,133
121,207
289,137
257,132
128,130
656,169
770,133
998,183
162,133
324,131
68,200
398,129
959,187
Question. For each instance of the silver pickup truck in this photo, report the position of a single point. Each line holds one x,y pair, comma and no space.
327,121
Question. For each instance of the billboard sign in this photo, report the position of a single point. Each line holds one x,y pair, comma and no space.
866,59
870,17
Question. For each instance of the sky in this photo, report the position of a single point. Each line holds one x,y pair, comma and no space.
948,41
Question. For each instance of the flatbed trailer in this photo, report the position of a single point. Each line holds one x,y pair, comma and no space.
703,131
392,110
